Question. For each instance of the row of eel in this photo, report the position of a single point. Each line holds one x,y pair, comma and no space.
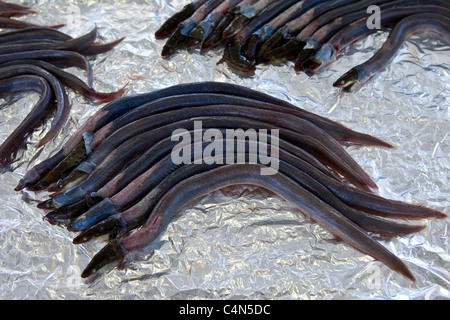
33,59
116,177
10,11
312,33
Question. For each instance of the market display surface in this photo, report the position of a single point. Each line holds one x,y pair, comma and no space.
246,241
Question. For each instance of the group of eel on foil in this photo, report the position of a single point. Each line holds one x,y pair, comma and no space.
33,59
312,33
116,177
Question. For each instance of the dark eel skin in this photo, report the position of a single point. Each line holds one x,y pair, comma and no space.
171,24
354,197
76,45
45,52
156,152
287,31
8,9
185,27
325,32
130,127
266,31
24,83
204,28
133,141
277,31
8,23
357,30
304,44
121,106
233,50
71,81
410,25
198,185
63,106
127,187
59,58
171,104
136,190
33,34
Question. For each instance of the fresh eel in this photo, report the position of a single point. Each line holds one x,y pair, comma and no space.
123,105
172,23
198,100
15,13
130,191
269,28
23,83
313,136
294,26
324,25
243,15
77,44
8,23
13,7
356,30
325,150
99,48
324,33
71,81
185,27
199,185
107,218
205,9
62,105
33,34
233,51
355,7
158,151
55,39
150,179
276,31
139,187
417,23
58,58
215,37
266,31
205,27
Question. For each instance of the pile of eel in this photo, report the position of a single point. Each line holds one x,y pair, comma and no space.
311,33
116,176
33,59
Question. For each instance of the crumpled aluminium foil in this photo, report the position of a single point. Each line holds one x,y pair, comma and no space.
242,242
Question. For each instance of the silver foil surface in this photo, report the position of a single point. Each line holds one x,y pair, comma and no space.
242,242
